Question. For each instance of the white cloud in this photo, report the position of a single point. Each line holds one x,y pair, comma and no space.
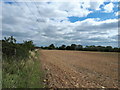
117,13
109,7
96,4
53,26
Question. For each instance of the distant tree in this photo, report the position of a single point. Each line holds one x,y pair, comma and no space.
108,48
92,48
79,47
116,49
56,48
63,47
42,47
73,46
100,48
46,47
86,48
51,46
68,48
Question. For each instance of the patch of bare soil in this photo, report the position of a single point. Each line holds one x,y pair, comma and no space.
79,69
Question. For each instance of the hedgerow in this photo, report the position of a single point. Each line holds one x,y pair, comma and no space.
11,49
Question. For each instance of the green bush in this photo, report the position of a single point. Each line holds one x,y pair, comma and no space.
22,74
11,49
18,70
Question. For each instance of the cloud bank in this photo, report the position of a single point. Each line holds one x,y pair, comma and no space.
48,22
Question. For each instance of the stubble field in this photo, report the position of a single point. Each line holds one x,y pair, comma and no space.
80,69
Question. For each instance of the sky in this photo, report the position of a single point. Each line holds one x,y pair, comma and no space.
85,22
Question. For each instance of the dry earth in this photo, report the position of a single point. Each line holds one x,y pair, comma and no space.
80,69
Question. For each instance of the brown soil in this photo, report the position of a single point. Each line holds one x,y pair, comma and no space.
80,69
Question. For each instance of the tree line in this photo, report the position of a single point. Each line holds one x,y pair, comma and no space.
11,49
81,48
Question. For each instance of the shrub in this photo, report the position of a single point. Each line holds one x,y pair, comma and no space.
11,49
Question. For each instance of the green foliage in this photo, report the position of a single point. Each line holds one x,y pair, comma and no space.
11,49
22,73
79,47
19,68
68,48
73,46
51,46
63,47
10,39
28,45
86,48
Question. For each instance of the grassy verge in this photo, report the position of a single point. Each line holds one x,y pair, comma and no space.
23,73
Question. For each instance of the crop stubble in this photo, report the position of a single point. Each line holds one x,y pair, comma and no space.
80,69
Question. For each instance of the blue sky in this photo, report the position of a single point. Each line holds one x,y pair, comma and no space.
98,14
86,23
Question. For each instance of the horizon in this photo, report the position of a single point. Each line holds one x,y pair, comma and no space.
61,44
84,23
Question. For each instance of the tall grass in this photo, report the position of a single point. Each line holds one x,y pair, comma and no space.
22,73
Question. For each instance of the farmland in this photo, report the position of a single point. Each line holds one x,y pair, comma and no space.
80,69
